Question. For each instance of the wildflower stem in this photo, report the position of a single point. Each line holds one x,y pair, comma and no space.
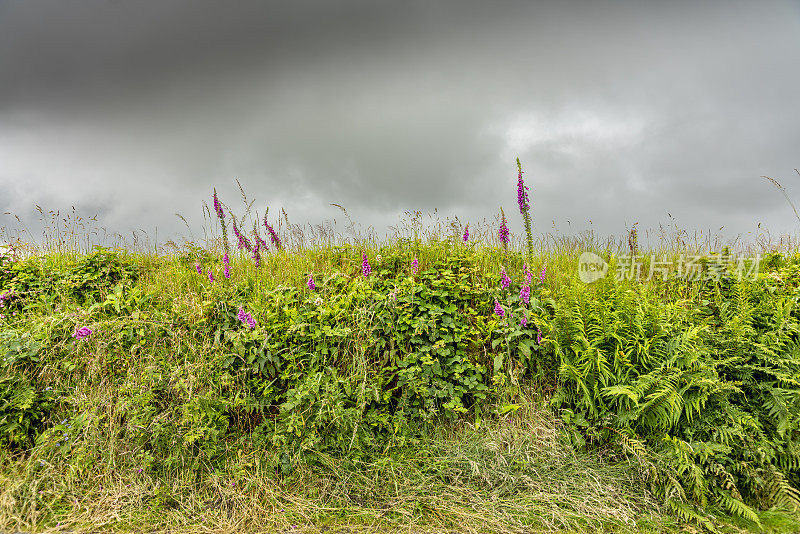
524,208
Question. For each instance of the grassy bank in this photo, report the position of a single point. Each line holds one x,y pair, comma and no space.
448,381
400,399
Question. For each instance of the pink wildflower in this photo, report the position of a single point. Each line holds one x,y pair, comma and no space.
522,194
505,281
276,241
528,273
246,318
525,293
244,243
365,267
498,309
503,232
218,206
82,333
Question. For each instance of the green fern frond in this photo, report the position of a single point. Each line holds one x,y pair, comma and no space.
737,508
690,514
780,492
620,390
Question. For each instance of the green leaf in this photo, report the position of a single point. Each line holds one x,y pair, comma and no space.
508,408
498,362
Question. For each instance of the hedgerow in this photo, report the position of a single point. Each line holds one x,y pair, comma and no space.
358,352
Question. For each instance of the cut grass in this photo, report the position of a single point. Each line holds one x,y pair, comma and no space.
510,474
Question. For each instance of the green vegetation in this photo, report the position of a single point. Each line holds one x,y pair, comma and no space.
138,394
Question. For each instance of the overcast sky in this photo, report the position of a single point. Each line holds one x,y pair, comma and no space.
620,112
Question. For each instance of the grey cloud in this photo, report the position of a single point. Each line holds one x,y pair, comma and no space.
620,112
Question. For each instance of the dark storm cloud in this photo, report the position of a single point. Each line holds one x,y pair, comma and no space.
620,112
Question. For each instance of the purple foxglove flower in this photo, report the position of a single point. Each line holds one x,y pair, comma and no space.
236,232
525,293
198,268
528,274
466,233
523,321
246,318
244,243
227,271
415,266
522,195
505,281
541,276
538,336
226,260
256,254
218,206
82,333
503,232
498,309
310,282
365,267
210,275
276,241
